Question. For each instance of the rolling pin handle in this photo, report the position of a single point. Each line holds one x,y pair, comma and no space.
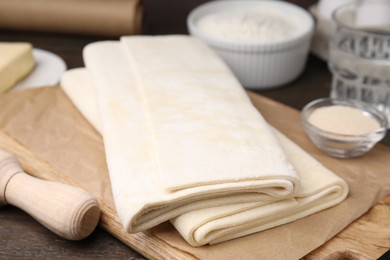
68,211
7,171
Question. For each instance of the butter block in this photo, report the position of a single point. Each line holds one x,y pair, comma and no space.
16,62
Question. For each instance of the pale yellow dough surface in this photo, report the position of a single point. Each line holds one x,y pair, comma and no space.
138,120
16,62
163,136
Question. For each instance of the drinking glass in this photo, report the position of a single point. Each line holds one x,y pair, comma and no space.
359,57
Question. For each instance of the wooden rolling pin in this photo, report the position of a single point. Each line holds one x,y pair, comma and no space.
68,211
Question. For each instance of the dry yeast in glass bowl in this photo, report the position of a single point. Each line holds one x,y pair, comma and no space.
343,128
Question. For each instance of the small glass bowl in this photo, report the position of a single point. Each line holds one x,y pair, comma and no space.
343,145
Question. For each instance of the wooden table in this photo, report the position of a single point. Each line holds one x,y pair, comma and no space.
22,236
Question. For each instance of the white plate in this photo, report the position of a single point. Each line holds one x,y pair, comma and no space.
47,72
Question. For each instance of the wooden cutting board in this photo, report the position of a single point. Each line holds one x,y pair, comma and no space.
366,238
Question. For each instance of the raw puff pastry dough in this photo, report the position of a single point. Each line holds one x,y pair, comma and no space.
189,110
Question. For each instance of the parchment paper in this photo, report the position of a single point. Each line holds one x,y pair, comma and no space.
93,17
47,123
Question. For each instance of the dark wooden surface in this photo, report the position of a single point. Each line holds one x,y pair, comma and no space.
22,236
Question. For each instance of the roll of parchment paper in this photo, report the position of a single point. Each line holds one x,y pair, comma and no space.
93,17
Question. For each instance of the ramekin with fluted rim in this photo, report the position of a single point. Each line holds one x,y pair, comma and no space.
258,65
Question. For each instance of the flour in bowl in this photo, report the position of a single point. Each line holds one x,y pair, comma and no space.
250,27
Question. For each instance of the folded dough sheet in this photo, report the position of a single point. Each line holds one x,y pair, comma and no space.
184,143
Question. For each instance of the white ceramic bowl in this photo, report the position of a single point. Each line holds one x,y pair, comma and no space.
259,65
